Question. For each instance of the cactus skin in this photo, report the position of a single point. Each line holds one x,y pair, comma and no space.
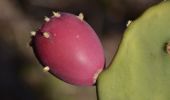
69,48
141,68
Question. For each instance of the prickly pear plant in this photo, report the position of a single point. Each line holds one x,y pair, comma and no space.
69,48
141,68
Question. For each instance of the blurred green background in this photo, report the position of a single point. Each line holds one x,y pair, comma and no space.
21,76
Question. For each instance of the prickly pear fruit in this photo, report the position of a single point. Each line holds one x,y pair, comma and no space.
69,48
141,68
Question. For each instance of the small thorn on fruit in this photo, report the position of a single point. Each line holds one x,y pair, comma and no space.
46,35
56,14
81,16
168,47
96,75
33,33
46,69
128,23
47,19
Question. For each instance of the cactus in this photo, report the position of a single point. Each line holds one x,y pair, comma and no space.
69,48
141,67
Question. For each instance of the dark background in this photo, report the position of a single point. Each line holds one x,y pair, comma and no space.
21,76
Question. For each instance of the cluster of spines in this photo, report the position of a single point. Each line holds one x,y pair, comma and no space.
128,23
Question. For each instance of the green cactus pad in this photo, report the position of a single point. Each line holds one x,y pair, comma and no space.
141,68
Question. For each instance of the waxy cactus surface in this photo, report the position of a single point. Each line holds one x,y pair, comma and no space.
69,48
141,68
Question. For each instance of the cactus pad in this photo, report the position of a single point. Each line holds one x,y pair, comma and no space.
141,68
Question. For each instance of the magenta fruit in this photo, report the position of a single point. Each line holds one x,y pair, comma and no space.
69,48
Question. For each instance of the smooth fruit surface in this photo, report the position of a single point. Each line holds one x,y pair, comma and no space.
141,68
70,48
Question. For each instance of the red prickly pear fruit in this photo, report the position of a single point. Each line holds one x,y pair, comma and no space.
69,48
